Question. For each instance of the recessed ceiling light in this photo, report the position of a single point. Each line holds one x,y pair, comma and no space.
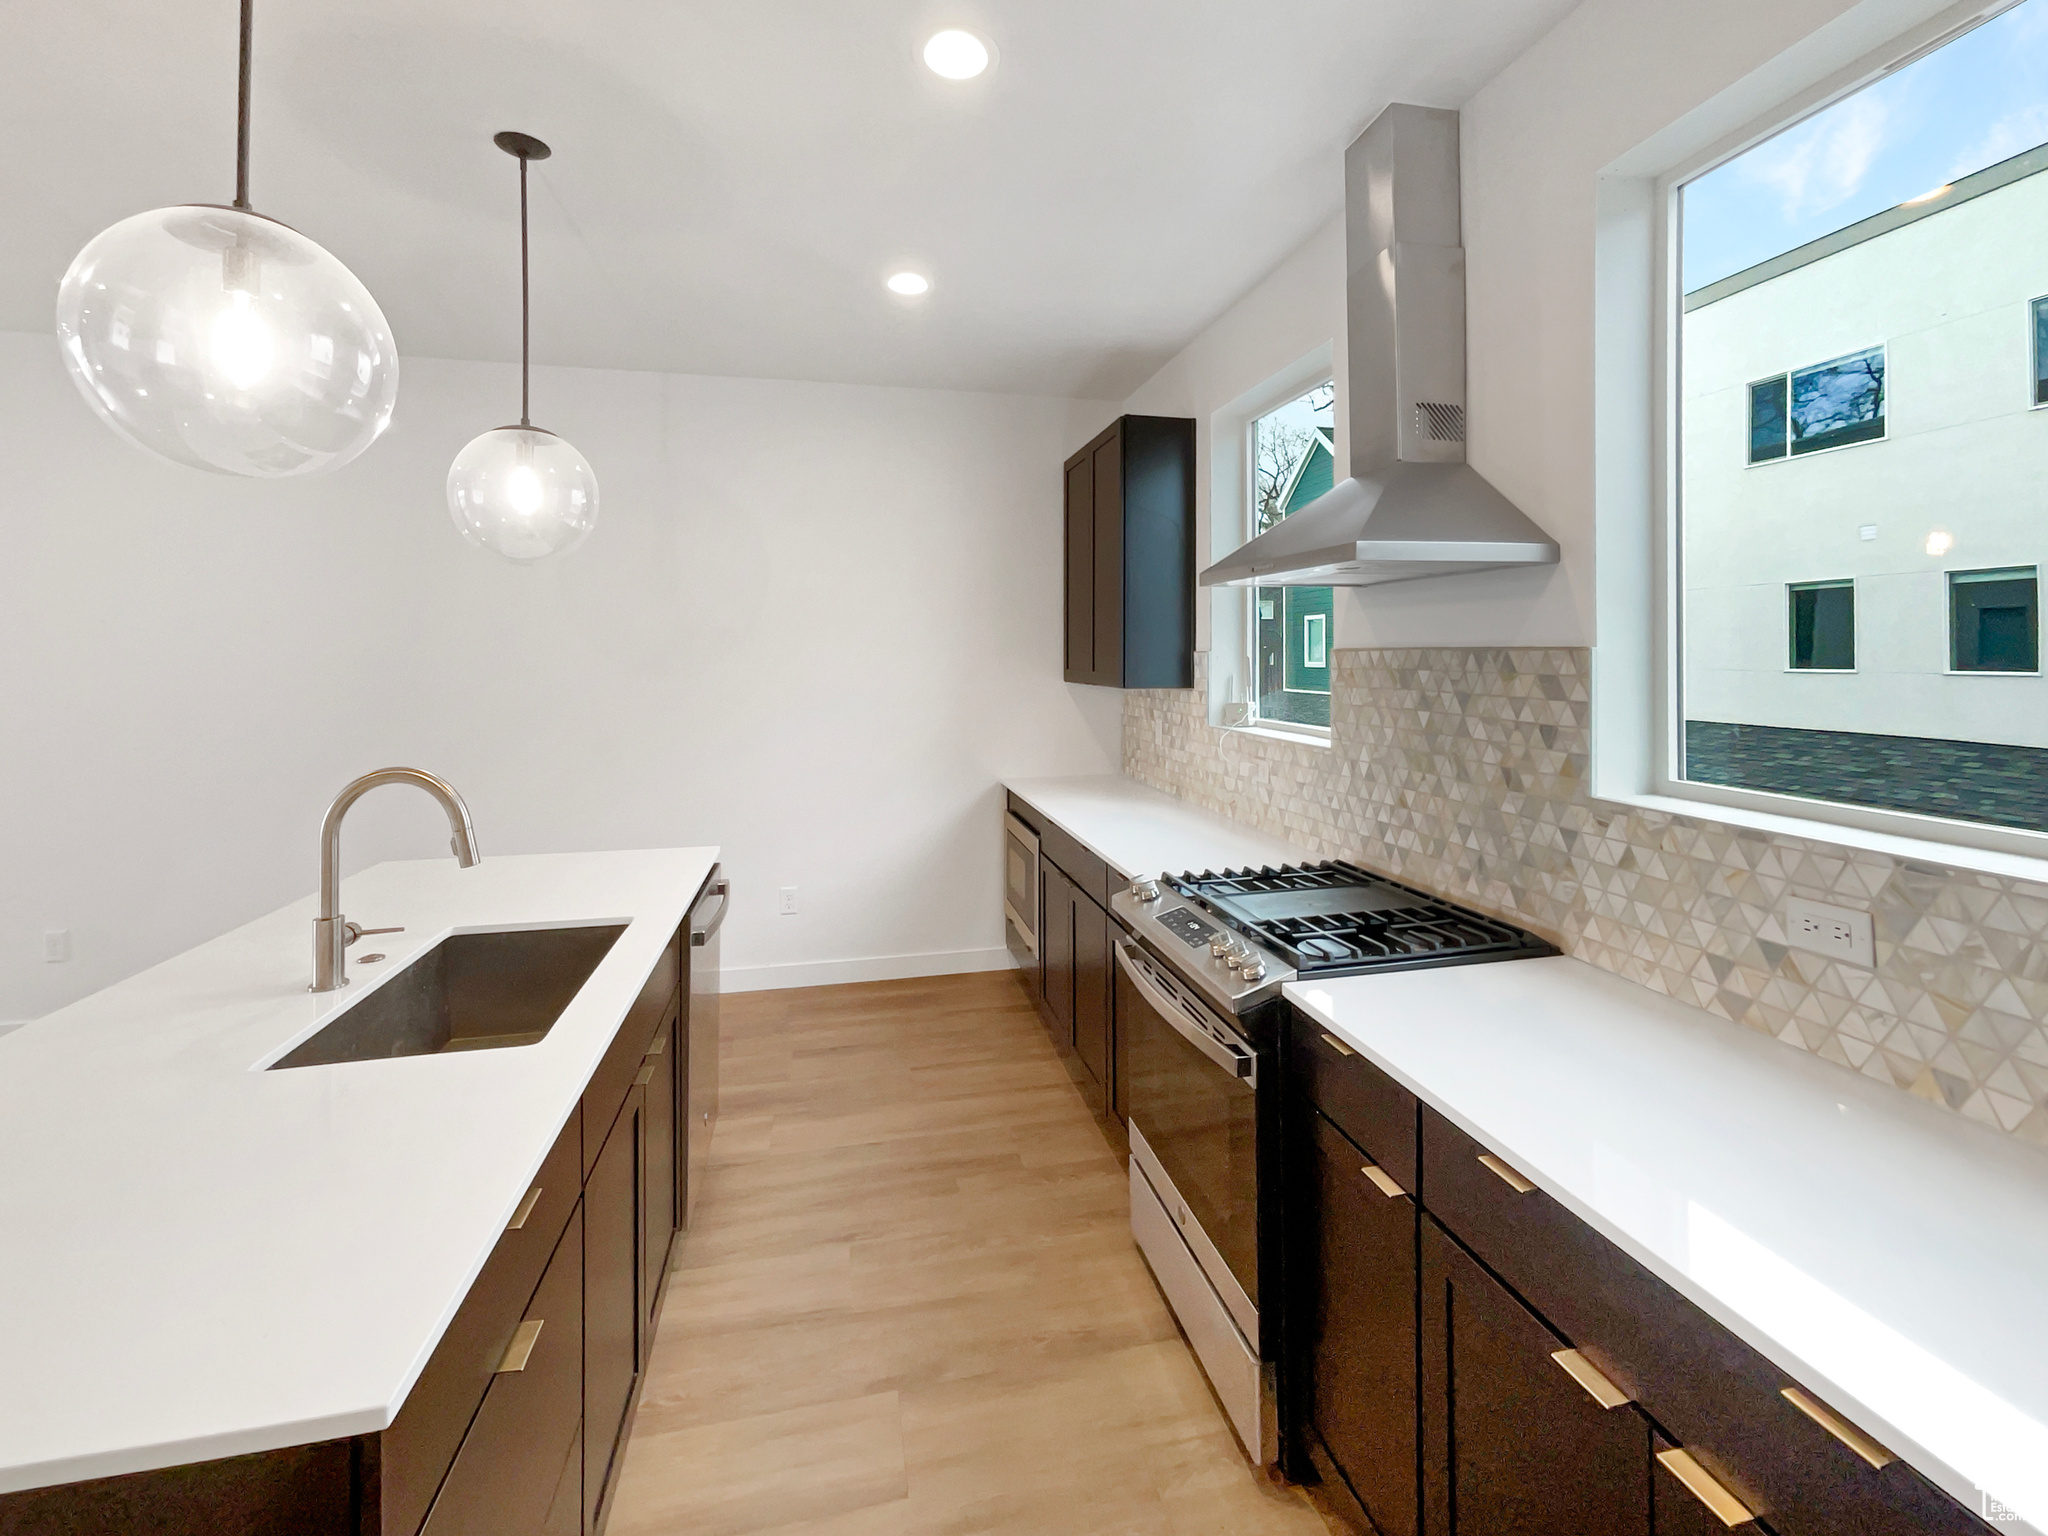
956,55
909,284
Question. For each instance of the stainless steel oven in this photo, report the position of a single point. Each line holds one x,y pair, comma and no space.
1198,1007
1193,1084
1020,889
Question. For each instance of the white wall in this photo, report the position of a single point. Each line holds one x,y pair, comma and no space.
815,625
1949,297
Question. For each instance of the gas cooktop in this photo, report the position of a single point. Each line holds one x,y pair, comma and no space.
1337,917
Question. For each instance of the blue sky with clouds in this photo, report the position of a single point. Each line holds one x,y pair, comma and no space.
1980,100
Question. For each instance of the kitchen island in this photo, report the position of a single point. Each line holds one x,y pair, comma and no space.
229,1260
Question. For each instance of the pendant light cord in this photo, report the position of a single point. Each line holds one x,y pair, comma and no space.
242,109
525,315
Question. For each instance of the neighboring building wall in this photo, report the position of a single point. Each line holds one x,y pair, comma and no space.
1965,452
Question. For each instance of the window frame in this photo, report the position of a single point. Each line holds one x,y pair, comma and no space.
1636,683
1315,653
1319,735
1951,580
1788,376
1792,590
2036,308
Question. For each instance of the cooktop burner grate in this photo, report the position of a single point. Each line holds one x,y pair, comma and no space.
1336,916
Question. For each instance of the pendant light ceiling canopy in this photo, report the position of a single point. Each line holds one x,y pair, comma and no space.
522,492
221,339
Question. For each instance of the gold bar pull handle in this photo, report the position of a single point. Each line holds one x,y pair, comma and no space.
1338,1046
1854,1438
521,1347
525,1210
1727,1508
1588,1375
1505,1174
646,1076
1383,1181
660,1044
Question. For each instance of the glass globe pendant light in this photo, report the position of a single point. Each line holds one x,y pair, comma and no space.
522,492
221,339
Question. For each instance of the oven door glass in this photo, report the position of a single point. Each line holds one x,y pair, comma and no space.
1201,1124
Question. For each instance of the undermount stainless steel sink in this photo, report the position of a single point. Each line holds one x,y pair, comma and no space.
470,992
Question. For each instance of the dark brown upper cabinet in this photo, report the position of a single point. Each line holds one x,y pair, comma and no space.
1130,585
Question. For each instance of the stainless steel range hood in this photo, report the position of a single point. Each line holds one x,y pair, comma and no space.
1413,507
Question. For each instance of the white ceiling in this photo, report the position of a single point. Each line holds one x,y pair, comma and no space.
732,179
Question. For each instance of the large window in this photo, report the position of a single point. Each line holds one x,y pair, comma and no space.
1870,280
1293,454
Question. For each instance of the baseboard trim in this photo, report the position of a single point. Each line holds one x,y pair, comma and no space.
832,973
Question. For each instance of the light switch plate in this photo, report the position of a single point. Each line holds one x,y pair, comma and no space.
1840,933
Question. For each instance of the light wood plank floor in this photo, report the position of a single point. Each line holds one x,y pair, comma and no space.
911,1305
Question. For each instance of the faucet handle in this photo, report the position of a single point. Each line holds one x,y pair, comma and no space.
354,931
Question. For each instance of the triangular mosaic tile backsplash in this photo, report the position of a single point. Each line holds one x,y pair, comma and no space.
1465,771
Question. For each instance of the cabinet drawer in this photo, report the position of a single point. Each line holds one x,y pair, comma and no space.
1361,1100
658,1006
1090,875
416,1450
511,1464
1722,1400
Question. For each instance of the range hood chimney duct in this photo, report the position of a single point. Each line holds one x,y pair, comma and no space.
1413,507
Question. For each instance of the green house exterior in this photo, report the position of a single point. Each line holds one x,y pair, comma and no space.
1295,624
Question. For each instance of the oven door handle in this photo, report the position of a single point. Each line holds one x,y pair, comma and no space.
1232,1058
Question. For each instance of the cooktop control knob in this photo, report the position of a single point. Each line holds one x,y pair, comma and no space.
1222,945
1254,969
1145,890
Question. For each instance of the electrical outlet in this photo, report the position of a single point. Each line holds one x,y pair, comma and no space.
787,898
1837,932
56,946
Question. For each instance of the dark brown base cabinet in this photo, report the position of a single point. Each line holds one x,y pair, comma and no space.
1074,983
518,1422
1358,1325
1524,1325
1510,1441
516,1454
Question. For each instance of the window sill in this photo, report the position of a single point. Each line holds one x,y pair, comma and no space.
1920,850
1303,738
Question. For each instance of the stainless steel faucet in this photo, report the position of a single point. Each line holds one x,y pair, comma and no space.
333,933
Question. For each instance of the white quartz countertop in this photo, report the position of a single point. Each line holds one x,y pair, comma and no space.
1890,1256
199,1258
1138,830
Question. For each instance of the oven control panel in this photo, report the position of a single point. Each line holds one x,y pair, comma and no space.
1191,930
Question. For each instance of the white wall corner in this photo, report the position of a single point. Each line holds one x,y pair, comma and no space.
1627,396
